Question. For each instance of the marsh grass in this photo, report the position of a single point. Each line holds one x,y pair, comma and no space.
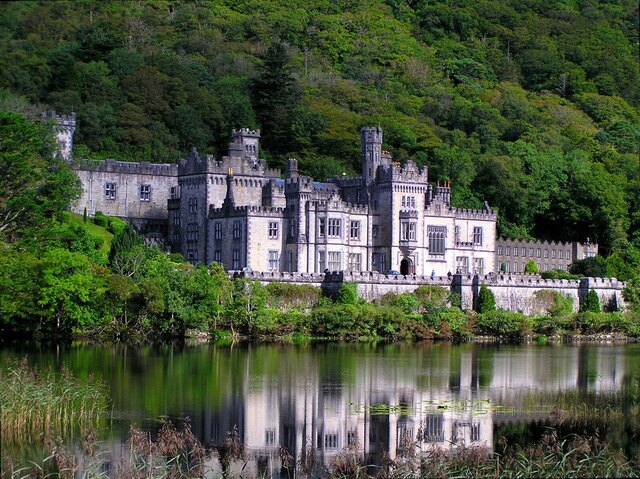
47,404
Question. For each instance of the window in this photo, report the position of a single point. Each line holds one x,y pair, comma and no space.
506,267
515,267
524,251
331,441
379,261
479,266
537,252
110,191
322,264
374,231
237,230
354,231
273,229
546,253
292,228
475,432
176,218
477,235
553,254
515,251
457,235
433,430
193,205
217,230
352,438
322,222
500,250
173,192
217,256
561,254
355,262
568,255
404,199
462,264
236,259
407,231
192,255
507,251
145,192
274,260
269,437
413,202
531,252
335,261
192,232
335,227
290,261
436,235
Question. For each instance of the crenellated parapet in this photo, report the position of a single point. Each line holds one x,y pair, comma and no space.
298,184
62,121
125,167
408,172
236,211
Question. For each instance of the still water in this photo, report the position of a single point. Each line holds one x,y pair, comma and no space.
324,397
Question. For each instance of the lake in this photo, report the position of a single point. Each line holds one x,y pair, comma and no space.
321,398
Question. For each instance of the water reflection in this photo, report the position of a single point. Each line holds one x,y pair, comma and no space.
320,399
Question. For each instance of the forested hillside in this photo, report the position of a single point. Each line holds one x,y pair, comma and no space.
531,105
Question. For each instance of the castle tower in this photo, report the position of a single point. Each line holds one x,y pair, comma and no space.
65,128
371,141
245,143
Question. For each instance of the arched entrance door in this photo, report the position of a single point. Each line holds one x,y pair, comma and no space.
406,266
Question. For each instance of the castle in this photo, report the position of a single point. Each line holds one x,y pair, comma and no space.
237,211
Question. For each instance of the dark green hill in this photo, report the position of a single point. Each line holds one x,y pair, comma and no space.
532,105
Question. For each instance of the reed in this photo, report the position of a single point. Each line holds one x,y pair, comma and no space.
39,404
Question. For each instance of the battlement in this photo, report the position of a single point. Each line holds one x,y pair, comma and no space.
466,213
408,172
245,210
124,167
299,183
65,121
244,132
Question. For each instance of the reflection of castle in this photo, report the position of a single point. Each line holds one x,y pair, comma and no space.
325,400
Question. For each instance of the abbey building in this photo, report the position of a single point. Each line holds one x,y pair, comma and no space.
237,211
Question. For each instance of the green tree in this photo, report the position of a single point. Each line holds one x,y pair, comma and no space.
591,302
531,267
486,300
127,253
275,97
33,190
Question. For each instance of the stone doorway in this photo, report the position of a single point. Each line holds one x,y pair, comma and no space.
406,266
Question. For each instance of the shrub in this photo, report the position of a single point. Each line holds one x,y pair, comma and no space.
432,298
100,219
503,323
336,320
407,302
531,267
591,302
266,321
558,274
286,295
116,225
348,293
456,322
591,322
486,300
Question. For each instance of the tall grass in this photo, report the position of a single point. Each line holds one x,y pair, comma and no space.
39,404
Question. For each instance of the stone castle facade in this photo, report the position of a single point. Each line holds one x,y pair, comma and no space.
237,211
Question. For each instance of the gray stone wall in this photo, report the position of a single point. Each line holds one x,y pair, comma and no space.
512,293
